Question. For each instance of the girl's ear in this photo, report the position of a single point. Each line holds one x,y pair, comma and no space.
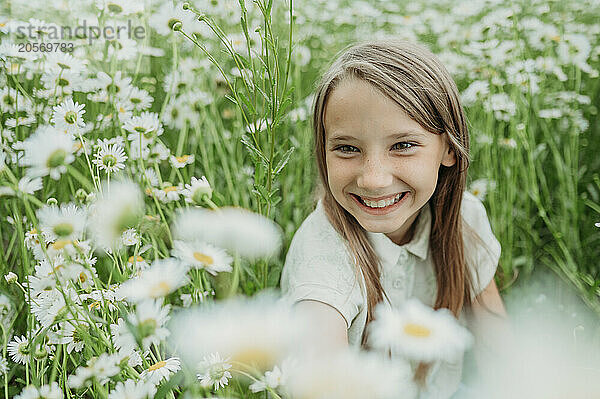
449,157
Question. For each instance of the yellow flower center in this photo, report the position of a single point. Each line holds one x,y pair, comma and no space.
183,158
95,305
138,259
257,357
160,289
60,244
417,330
169,189
200,257
82,277
157,366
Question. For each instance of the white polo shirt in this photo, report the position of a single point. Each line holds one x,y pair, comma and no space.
319,267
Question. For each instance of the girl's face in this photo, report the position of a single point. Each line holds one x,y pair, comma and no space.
382,166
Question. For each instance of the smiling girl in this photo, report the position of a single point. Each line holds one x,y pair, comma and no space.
393,221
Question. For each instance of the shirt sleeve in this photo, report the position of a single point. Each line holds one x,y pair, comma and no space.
318,267
482,255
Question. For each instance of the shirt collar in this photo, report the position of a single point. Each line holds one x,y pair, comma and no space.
419,245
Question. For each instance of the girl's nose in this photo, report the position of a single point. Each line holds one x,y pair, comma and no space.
375,174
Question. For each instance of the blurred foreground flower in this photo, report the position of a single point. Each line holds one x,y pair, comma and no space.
132,389
199,255
119,207
52,391
159,280
48,152
238,230
258,332
350,375
419,332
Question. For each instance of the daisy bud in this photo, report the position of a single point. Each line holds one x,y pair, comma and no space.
40,353
81,195
176,26
11,278
186,6
90,198
51,201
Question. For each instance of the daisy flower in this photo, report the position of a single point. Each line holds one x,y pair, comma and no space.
102,368
57,61
149,319
350,375
148,322
119,7
140,99
28,185
214,371
168,193
3,366
117,84
2,160
18,349
68,116
162,278
182,161
66,222
47,152
146,126
110,157
275,378
52,391
130,237
116,210
139,263
131,389
64,82
71,336
200,255
238,230
194,193
259,332
419,332
507,142
479,187
161,370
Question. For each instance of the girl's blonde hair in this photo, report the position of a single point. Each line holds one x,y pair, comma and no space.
415,79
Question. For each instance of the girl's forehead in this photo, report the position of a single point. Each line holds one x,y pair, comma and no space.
356,105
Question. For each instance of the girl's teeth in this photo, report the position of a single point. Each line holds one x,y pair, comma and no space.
381,203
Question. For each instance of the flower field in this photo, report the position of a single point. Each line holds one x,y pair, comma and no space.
156,159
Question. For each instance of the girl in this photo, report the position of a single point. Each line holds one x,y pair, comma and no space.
393,220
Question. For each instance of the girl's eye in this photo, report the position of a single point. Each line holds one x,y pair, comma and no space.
347,148
403,145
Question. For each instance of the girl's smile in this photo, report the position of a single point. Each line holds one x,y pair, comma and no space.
382,166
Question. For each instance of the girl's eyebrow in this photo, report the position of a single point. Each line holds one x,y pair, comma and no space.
340,137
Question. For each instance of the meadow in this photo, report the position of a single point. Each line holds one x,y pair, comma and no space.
159,171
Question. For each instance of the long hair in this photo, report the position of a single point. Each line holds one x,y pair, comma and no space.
415,79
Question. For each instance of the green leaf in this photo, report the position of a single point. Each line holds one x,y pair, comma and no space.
255,153
283,161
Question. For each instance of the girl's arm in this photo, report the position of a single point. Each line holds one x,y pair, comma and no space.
491,328
329,326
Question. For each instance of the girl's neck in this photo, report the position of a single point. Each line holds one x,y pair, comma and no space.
408,235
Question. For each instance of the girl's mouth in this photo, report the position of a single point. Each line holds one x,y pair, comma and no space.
382,206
